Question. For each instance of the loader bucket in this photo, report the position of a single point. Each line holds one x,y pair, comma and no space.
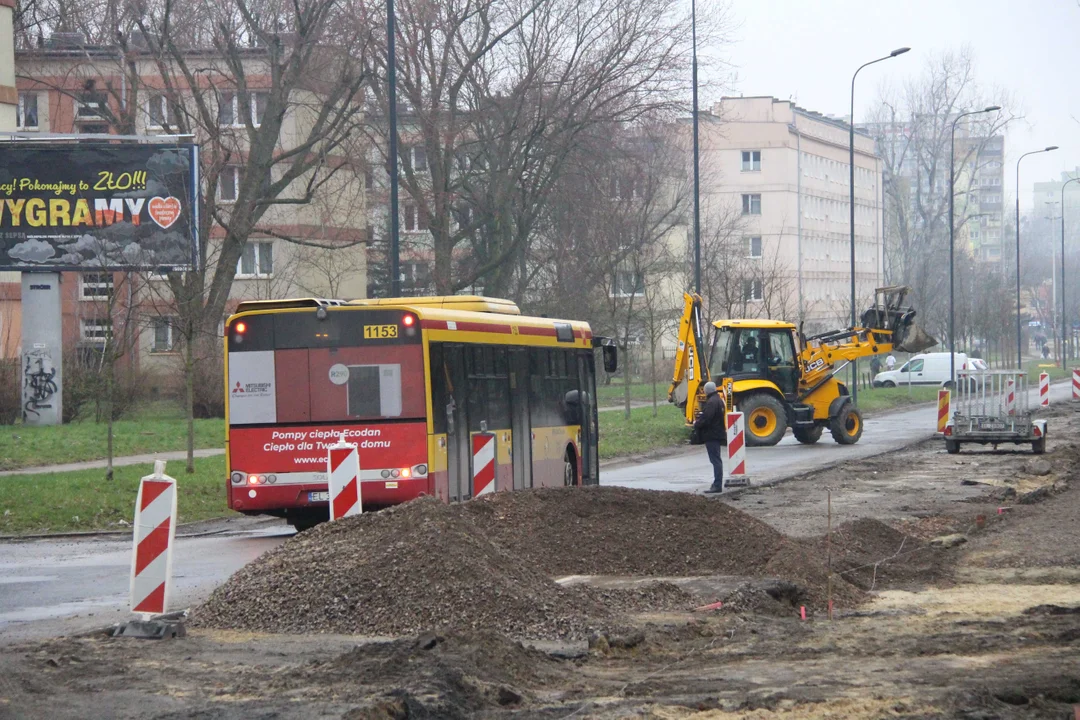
911,338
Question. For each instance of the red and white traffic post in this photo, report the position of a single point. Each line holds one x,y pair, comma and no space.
1010,396
483,448
735,467
1076,383
343,471
155,530
1044,389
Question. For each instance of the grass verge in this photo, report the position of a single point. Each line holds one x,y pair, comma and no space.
613,394
26,446
878,399
642,433
84,500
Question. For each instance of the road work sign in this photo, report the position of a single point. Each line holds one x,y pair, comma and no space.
343,469
155,529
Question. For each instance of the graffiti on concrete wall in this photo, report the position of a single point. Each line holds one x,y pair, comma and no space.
39,381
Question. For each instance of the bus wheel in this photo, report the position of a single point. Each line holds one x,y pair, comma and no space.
569,468
304,519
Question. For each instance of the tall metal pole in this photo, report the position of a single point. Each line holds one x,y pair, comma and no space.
952,244
1019,335
392,161
1066,329
851,202
697,157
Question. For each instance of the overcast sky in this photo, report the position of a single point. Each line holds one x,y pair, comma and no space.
808,49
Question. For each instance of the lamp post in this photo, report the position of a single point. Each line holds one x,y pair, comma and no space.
392,161
1019,340
952,230
1065,329
697,159
851,200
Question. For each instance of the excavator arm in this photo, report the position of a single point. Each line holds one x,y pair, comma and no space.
691,372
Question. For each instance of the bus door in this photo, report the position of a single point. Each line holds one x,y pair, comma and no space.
590,465
458,452
519,418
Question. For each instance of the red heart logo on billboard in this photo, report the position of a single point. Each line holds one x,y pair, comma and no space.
164,211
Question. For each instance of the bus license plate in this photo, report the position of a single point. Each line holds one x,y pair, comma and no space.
318,496
379,332
991,425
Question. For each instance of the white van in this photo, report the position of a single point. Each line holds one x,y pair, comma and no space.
927,369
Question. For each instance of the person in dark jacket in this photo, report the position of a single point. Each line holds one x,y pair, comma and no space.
710,424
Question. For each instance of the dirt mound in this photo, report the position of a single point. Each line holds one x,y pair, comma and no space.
655,597
874,556
458,675
805,566
410,569
780,599
617,531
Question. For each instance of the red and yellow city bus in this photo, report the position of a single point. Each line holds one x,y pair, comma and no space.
446,396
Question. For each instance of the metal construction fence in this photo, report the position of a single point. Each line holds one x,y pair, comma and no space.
991,400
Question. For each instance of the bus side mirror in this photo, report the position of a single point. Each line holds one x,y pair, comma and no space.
611,358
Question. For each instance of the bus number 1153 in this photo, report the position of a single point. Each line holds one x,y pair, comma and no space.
378,332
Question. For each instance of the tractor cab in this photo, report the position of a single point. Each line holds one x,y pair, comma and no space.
756,350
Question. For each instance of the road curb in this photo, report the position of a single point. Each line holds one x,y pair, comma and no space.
85,534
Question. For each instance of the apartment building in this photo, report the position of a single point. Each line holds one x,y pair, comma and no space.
8,93
785,171
64,88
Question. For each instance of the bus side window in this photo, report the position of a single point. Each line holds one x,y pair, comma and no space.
441,412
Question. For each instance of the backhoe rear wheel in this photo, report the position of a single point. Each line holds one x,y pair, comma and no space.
765,420
847,426
808,436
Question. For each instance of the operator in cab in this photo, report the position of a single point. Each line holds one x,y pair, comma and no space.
710,426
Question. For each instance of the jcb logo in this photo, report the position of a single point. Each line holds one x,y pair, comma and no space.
815,365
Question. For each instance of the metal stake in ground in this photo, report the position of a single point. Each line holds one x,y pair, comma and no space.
828,551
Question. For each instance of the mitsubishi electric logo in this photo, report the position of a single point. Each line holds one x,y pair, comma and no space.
237,389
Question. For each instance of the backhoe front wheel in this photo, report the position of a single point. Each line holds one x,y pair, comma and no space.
846,427
765,419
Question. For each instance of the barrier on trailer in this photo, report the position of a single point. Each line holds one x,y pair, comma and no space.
1076,383
483,463
343,469
1044,389
944,402
1010,396
154,531
735,467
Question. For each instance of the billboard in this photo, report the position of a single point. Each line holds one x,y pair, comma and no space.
98,206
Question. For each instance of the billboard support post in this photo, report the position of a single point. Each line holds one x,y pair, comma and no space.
41,369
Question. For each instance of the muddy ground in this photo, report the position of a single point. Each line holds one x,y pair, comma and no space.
985,628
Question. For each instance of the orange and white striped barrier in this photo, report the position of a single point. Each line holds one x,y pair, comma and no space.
343,470
1044,389
735,467
1010,396
1076,383
483,445
154,531
944,403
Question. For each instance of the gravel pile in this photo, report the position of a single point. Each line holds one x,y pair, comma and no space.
655,597
618,531
873,555
413,568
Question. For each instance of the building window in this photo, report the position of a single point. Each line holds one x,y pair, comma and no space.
369,176
229,183
160,111
751,204
163,335
752,290
628,284
418,158
96,332
229,114
93,129
96,286
257,260
413,218
754,246
751,160
90,106
415,275
27,118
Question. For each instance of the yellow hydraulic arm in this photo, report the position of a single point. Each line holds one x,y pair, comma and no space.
691,372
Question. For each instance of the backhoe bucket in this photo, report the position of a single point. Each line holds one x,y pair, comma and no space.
911,338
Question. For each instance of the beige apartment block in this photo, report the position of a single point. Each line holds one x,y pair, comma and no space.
783,172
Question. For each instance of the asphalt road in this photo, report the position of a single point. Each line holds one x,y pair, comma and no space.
49,587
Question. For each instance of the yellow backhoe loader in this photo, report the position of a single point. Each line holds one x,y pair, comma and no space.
778,378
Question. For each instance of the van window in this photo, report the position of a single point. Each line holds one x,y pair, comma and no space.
916,366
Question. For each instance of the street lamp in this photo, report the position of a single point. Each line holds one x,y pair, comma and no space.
392,161
851,162
1019,341
697,158
1065,329
952,229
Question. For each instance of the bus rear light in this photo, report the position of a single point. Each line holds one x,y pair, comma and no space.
395,473
386,473
406,472
271,479
255,479
240,327
237,478
421,469
408,320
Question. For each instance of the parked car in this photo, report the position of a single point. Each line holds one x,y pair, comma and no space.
927,369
